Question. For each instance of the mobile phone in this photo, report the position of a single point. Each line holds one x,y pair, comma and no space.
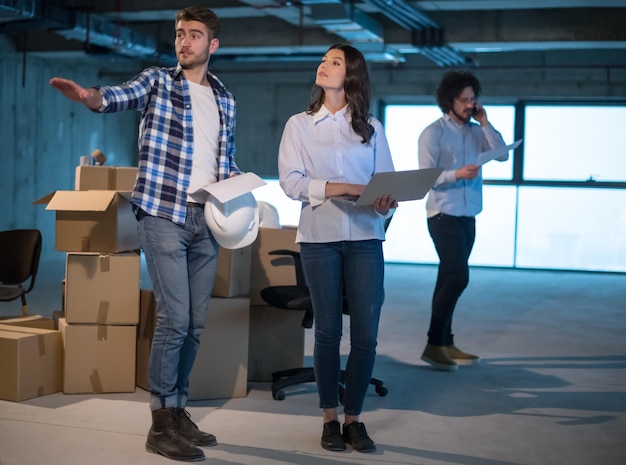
474,110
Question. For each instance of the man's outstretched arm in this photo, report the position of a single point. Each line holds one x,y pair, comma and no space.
89,97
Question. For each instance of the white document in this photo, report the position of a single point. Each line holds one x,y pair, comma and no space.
489,155
233,187
402,185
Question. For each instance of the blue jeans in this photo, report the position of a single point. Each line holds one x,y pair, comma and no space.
356,268
181,261
453,237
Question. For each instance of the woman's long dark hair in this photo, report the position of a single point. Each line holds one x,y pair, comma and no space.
357,89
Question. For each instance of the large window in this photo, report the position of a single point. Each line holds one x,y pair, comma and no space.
404,124
575,143
408,240
272,193
567,212
570,228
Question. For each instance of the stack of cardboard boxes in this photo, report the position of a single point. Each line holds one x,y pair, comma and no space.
108,319
96,228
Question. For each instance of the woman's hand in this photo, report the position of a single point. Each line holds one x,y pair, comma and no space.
385,203
335,189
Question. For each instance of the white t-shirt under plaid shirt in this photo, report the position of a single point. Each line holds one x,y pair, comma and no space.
166,136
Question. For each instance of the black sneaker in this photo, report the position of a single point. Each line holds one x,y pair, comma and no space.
355,434
331,436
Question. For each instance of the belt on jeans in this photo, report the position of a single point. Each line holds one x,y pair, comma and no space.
195,204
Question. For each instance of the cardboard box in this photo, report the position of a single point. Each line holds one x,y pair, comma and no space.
98,358
271,270
30,362
102,288
233,272
221,367
276,341
114,178
56,316
93,221
145,331
31,321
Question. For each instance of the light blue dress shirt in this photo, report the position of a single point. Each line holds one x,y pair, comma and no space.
320,148
450,145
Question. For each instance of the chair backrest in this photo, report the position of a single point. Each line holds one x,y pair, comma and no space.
20,251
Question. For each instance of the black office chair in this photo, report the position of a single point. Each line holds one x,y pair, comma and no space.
296,297
20,251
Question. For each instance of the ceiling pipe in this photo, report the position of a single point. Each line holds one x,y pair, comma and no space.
29,15
427,35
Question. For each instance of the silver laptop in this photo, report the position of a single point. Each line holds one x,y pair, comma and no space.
402,185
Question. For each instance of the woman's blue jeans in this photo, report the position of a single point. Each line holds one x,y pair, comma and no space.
356,268
182,262
453,237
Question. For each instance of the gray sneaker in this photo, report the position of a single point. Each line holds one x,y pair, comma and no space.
438,358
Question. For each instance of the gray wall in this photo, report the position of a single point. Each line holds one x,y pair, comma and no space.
43,134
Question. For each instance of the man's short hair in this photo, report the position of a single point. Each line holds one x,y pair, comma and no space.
203,15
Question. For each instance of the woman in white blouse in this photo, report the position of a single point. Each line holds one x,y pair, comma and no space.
333,149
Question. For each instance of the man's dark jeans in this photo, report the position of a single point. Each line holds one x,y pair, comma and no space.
453,237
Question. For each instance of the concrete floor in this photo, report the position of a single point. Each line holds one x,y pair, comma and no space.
551,388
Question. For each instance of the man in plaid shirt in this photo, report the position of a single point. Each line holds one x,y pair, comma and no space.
186,141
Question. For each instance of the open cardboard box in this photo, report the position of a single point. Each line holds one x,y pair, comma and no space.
93,221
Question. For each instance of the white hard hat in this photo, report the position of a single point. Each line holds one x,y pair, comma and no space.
234,223
268,215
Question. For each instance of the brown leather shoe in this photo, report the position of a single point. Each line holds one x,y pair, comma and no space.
190,430
165,438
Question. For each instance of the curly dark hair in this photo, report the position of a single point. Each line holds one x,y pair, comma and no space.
451,86
357,88
203,15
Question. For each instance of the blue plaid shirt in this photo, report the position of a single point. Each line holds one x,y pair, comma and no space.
166,136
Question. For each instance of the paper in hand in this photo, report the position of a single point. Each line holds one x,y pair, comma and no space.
489,155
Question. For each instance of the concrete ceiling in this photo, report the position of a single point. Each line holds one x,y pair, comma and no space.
442,33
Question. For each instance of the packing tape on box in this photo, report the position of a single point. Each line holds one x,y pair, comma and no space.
112,179
103,316
41,345
105,263
102,334
96,382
